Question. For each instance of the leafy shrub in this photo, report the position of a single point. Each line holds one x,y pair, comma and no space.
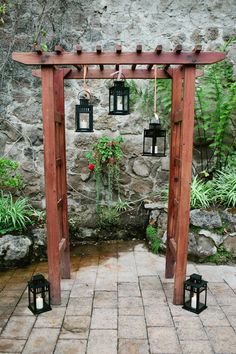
221,256
9,178
224,187
155,242
201,193
14,215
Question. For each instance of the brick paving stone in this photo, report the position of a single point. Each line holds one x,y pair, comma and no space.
130,306
67,284
11,345
71,346
3,320
52,318
106,283
75,327
18,327
133,346
41,340
214,316
196,347
128,290
105,299
223,339
104,319
102,342
184,321
153,297
188,333
150,283
79,306
158,316
179,311
22,311
82,290
132,327
163,340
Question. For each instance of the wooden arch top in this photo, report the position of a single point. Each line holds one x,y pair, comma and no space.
78,58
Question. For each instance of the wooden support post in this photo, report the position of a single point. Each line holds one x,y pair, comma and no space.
62,189
174,170
185,185
50,172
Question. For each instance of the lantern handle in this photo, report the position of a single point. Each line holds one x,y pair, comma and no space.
84,94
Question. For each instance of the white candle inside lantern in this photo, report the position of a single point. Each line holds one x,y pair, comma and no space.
39,302
119,103
83,124
194,301
156,149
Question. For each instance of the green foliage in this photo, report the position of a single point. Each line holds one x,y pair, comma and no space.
221,256
9,178
104,160
224,187
3,8
214,109
108,217
155,242
122,205
14,214
201,193
144,98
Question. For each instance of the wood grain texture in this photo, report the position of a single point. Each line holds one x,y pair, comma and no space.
185,184
174,180
121,58
50,173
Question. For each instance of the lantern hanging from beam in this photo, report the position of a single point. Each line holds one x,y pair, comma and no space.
39,294
195,294
154,140
119,96
84,113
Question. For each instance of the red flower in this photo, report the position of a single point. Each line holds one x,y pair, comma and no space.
91,166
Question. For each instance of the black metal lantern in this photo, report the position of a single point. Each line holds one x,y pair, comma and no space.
84,113
119,98
39,294
195,294
154,141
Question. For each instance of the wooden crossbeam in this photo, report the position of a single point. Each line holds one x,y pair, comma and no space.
138,51
99,51
178,49
78,49
106,74
58,49
111,58
38,49
197,49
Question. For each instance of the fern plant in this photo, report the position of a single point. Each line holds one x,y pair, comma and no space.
214,108
201,193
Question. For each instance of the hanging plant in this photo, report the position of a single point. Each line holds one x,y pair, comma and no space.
104,161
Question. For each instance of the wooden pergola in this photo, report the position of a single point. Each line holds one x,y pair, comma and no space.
178,66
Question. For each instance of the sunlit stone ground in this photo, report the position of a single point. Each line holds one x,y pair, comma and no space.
118,301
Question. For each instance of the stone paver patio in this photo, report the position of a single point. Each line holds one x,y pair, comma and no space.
118,301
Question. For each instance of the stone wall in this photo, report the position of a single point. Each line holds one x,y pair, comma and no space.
210,230
107,23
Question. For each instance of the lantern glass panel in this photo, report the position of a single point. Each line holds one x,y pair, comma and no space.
119,102
126,103
84,120
160,145
147,149
111,103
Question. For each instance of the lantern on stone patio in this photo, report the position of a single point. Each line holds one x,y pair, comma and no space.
84,113
195,294
39,294
119,96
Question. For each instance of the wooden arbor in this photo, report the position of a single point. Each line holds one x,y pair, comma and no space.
182,124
